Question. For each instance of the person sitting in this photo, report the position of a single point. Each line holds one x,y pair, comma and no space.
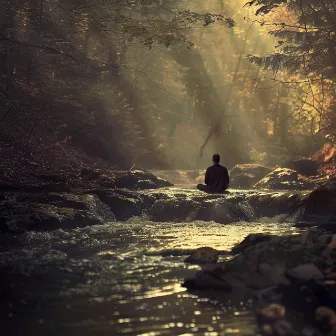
217,178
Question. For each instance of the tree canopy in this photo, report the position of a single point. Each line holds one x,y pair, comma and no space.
158,83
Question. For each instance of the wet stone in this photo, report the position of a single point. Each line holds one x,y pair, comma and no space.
244,176
222,211
176,209
207,279
21,217
86,202
283,179
321,201
123,207
203,255
250,240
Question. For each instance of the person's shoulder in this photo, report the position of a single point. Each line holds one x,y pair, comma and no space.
223,167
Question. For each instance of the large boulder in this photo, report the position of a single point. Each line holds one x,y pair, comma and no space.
304,166
283,179
322,201
86,202
139,179
18,217
245,176
270,204
123,205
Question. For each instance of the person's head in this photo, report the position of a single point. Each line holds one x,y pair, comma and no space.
216,158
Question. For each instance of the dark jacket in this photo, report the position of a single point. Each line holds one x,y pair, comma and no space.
217,178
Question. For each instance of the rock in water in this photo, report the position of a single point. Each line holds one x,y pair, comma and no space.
20,217
203,255
250,240
207,279
283,179
244,176
74,201
321,201
222,211
123,207
140,180
176,209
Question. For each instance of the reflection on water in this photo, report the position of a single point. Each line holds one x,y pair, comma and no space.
118,279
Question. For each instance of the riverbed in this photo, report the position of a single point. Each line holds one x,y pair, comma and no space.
121,278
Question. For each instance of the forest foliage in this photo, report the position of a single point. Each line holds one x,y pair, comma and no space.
150,82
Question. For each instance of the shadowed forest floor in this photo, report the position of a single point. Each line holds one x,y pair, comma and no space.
19,165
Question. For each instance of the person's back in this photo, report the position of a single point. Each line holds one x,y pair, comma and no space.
216,177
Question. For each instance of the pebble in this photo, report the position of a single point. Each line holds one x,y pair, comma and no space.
272,313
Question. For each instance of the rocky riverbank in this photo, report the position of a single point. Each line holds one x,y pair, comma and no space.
296,274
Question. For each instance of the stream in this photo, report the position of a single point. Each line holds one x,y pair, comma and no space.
121,278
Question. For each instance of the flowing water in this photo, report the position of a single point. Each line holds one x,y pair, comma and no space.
118,279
